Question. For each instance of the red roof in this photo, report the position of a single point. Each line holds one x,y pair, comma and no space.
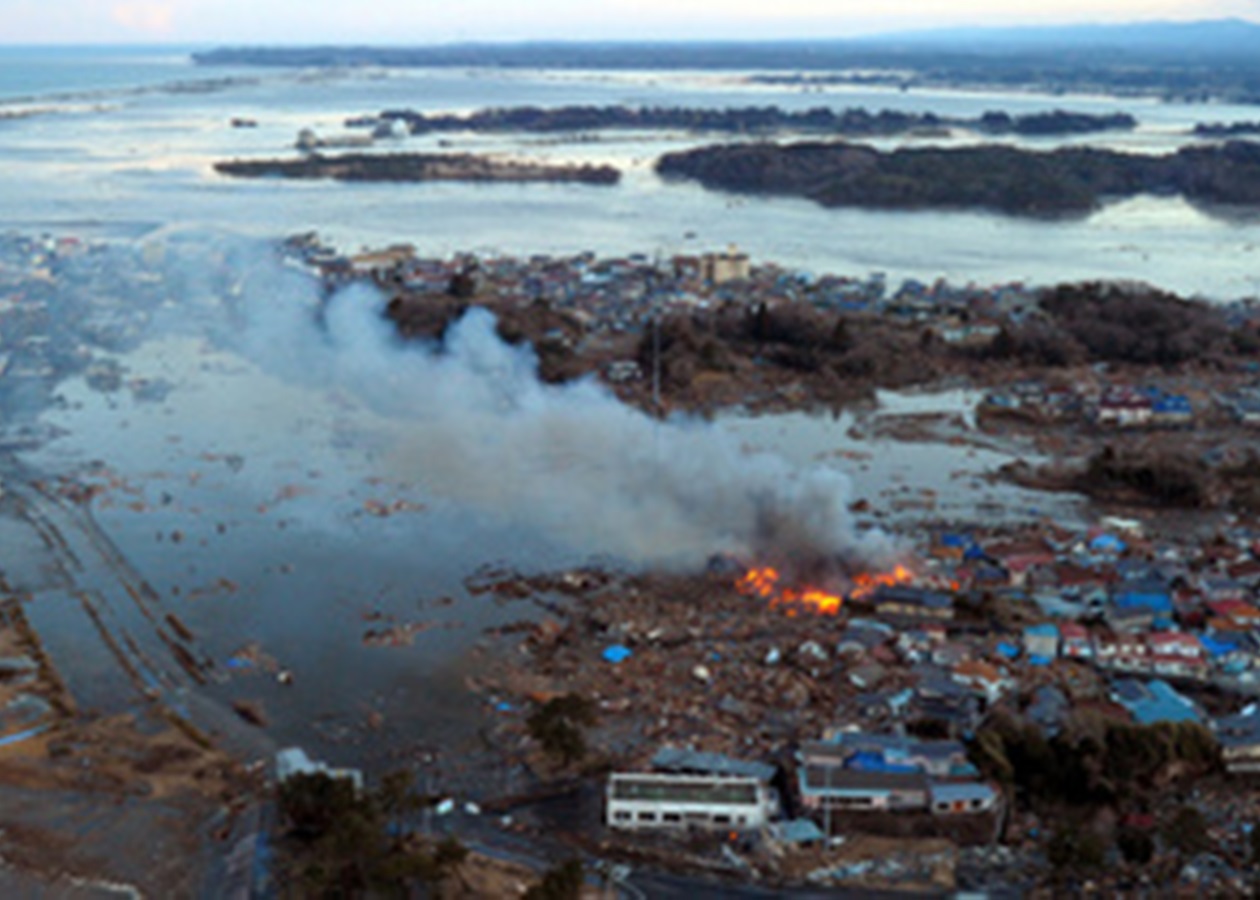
1234,609
1162,639
1073,631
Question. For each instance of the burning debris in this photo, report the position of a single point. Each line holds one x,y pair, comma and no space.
766,582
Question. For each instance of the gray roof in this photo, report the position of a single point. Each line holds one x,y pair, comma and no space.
680,759
914,596
1242,730
799,831
962,792
833,780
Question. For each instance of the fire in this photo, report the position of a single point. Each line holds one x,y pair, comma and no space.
867,583
763,581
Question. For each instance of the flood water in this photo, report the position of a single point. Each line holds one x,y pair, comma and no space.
293,516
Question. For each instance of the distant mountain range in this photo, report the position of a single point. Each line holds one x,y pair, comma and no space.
1219,59
1231,37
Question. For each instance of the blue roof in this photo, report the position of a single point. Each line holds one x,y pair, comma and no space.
1154,701
1173,403
1155,601
1215,646
1048,629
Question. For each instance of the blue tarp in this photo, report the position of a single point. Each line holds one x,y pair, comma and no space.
872,761
1010,651
1172,403
1107,543
1215,646
1156,602
617,653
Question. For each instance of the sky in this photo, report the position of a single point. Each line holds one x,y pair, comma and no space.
440,21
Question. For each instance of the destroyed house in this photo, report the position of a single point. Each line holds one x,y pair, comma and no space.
1239,737
655,801
912,603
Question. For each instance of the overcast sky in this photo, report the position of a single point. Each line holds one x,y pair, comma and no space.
424,21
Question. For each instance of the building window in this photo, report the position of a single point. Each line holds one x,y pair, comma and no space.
621,816
721,820
672,818
647,817
976,804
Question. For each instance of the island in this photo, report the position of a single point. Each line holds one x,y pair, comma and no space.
1226,129
855,121
415,167
1009,180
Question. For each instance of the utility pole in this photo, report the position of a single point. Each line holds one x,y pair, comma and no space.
656,361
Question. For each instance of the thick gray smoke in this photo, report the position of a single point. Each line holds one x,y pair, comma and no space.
480,428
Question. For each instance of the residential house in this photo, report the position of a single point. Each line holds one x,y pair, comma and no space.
1232,652
1076,642
830,788
1176,653
1048,709
890,752
938,698
1239,737
1216,588
1234,615
968,797
1154,701
1172,411
867,676
1123,407
861,637
912,603
1124,651
1041,642
984,678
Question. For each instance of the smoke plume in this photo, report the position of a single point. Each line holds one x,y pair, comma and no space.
477,426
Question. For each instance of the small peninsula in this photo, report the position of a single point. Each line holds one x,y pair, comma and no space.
416,167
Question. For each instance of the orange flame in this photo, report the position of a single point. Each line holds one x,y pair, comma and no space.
763,581
867,583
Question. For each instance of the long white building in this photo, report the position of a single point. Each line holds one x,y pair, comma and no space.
688,801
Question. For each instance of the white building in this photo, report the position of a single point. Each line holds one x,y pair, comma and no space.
294,761
688,801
